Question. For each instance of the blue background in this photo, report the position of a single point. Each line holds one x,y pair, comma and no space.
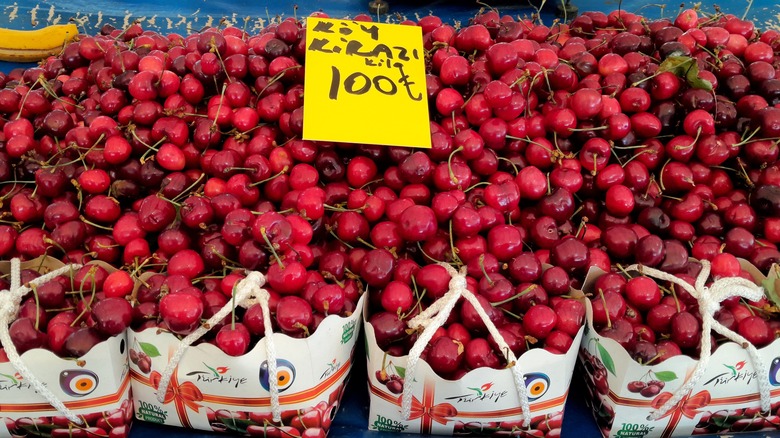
187,16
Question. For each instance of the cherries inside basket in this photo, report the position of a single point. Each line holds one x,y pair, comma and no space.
613,139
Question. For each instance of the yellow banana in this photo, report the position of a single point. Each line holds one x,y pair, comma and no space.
35,45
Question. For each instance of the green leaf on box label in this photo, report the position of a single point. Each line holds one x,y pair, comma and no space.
723,420
771,287
236,424
149,349
606,359
401,371
665,376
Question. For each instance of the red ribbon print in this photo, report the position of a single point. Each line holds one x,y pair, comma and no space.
689,406
428,412
183,396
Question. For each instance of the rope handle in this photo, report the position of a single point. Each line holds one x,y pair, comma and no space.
709,299
248,291
434,317
9,308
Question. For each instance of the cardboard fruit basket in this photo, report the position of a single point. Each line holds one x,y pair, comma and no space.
212,391
101,378
483,402
725,399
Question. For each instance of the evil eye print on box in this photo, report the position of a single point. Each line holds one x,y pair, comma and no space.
537,385
285,372
774,372
78,383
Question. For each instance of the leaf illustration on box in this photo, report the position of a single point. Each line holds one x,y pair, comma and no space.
149,349
665,376
401,371
236,425
723,420
38,429
606,359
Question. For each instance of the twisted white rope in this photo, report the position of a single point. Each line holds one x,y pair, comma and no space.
709,299
434,317
248,292
9,308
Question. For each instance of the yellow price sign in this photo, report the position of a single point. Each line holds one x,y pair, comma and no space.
365,83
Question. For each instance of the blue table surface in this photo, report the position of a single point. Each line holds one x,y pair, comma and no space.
185,16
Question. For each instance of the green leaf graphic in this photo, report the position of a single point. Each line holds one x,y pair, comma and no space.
149,349
236,424
401,371
665,376
606,359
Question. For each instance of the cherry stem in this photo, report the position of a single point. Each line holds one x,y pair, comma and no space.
638,146
88,306
623,270
653,359
271,247
24,99
378,180
514,167
661,175
426,254
37,306
219,108
138,268
341,209
749,137
748,306
481,183
332,233
144,158
88,222
455,257
363,241
595,128
636,155
192,186
606,309
674,295
46,87
484,271
449,164
275,79
514,297
302,327
282,172
331,277
510,313
171,201
419,300
454,124
583,225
